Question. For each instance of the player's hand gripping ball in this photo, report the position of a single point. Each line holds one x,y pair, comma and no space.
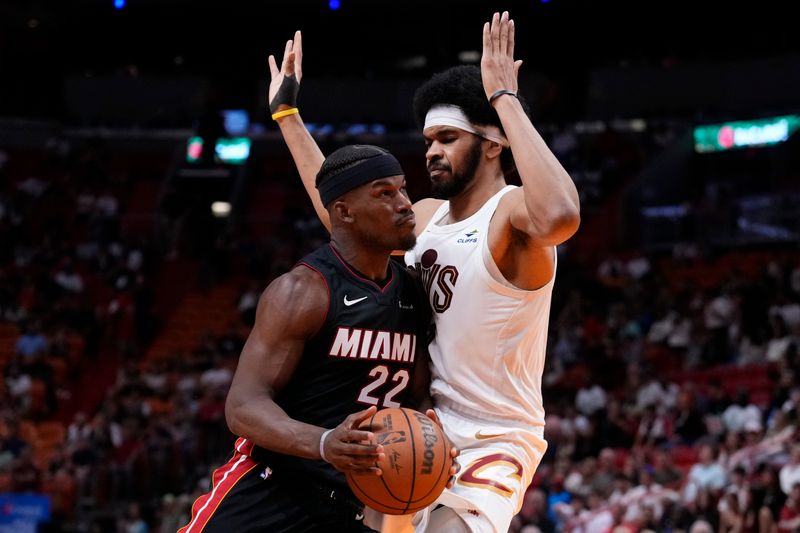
416,464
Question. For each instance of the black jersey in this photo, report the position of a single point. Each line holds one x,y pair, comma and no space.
364,353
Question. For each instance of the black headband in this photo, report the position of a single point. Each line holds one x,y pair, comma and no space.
367,170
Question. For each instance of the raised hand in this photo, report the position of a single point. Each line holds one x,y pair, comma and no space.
350,449
284,83
499,70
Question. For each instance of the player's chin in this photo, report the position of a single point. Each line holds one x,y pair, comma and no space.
407,240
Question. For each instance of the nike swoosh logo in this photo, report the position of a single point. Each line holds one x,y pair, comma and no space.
480,435
348,303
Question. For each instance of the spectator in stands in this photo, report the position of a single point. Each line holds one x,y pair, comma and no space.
733,518
657,391
737,415
701,526
79,429
788,309
790,472
702,507
24,474
32,341
790,513
590,398
655,427
173,513
534,511
18,384
720,314
613,427
12,442
67,278
734,503
768,498
706,476
605,474
665,473
779,341
133,522
716,399
560,497
689,424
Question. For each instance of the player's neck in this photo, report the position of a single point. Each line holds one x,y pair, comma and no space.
474,196
369,263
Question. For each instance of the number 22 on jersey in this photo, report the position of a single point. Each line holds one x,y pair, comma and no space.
381,374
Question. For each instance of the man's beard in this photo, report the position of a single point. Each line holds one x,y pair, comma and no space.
446,189
408,242
390,242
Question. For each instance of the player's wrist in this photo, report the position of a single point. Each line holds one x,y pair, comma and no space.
280,107
322,445
501,92
286,112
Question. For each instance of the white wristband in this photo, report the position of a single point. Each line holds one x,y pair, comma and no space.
322,445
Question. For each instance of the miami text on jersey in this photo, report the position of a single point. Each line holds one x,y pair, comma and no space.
365,343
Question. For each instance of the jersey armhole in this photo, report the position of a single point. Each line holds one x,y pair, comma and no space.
497,281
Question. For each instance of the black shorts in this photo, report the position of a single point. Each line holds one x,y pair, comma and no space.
246,496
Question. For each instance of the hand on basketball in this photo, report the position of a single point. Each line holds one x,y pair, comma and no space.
430,413
350,449
498,68
284,83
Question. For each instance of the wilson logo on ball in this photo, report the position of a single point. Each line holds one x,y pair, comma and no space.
430,439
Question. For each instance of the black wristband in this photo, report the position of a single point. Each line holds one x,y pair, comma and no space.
500,93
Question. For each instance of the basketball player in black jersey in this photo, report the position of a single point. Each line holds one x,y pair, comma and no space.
336,338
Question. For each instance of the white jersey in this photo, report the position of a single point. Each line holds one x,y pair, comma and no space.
489,350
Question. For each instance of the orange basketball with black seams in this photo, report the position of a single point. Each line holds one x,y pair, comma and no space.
416,466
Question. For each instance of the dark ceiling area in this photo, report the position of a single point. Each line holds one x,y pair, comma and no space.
227,43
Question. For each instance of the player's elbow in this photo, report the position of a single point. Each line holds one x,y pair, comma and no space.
558,226
234,414
566,222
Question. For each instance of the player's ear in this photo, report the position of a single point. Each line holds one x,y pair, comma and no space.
494,150
342,211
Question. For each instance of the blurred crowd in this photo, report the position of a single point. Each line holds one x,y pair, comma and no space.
671,383
673,398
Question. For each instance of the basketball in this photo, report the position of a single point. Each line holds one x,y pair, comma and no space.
416,466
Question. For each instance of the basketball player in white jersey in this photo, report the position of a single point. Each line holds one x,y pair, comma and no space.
487,254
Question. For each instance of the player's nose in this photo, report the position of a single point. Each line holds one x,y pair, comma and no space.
433,152
403,203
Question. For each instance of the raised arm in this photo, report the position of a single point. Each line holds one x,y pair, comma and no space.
547,208
283,89
290,311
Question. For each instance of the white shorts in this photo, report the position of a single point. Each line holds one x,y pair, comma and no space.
498,460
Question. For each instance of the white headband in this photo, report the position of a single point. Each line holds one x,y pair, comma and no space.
450,115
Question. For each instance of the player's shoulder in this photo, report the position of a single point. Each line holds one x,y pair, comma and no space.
424,210
511,198
294,304
303,288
